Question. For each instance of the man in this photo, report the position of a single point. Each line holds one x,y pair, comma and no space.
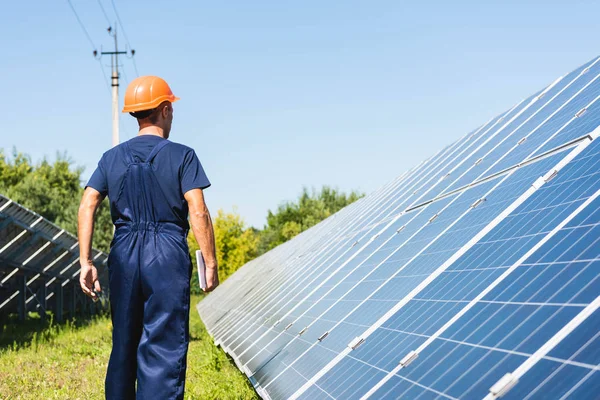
151,184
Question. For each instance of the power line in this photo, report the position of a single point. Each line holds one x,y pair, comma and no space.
114,61
81,24
120,23
125,35
135,66
104,12
104,74
90,39
124,74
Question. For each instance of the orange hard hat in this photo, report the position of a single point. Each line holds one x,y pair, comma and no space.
146,93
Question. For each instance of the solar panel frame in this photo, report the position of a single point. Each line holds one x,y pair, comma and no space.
37,257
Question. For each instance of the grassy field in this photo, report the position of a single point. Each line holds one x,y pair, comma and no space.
69,361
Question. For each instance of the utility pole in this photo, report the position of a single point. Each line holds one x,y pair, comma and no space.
114,82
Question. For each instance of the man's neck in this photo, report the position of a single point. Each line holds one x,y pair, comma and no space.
151,130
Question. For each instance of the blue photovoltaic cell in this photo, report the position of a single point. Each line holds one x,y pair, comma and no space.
288,316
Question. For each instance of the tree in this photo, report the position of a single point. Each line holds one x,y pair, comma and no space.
235,245
291,218
51,190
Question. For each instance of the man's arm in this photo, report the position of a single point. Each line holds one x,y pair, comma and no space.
88,277
205,236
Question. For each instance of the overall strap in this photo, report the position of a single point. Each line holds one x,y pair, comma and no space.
128,153
156,149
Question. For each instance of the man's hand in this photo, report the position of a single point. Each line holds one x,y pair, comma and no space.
204,234
212,279
88,279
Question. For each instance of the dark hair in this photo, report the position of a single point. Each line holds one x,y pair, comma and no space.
151,114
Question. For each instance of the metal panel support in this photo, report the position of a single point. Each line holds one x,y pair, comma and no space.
42,300
22,297
73,302
58,293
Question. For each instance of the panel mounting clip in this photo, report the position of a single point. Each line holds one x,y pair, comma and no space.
478,202
400,229
409,358
302,331
323,336
580,112
479,161
433,218
551,176
523,140
505,383
357,341
354,244
289,326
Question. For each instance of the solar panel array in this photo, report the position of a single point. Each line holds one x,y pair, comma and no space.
39,266
474,275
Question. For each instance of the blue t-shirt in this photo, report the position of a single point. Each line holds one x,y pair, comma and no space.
176,166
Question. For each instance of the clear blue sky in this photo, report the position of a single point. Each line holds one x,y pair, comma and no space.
277,95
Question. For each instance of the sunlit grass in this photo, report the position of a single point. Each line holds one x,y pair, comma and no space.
68,361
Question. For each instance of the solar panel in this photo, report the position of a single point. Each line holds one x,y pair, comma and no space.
473,275
39,265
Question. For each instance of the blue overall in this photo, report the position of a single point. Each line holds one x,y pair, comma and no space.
149,278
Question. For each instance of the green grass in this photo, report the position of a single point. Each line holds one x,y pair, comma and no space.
68,361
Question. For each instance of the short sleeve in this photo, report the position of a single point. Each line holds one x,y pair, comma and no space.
98,179
192,174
